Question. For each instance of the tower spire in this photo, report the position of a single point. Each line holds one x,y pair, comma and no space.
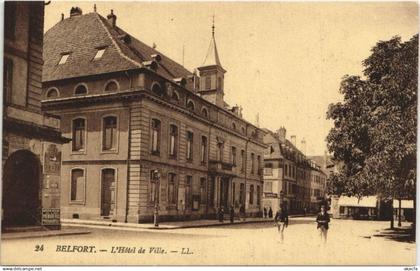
212,27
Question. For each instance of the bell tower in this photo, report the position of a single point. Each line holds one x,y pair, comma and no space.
212,75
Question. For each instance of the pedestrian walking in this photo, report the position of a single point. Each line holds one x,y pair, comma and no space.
322,223
232,213
265,212
221,214
270,213
281,220
242,212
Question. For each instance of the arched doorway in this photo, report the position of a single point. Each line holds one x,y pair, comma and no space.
21,184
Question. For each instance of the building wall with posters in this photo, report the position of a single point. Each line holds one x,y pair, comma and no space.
131,111
31,139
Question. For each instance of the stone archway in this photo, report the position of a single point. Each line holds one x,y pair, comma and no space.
21,185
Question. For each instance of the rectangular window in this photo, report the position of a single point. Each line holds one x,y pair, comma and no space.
77,185
234,194
286,173
155,136
190,141
220,151
203,149
7,79
259,165
172,188
243,160
109,139
252,163
173,140
233,153
258,195
188,195
251,194
79,131
268,187
242,193
203,191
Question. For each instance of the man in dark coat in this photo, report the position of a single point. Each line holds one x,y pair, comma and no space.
221,214
265,212
270,213
232,214
281,220
322,221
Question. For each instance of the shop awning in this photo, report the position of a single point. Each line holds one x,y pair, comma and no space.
369,202
405,204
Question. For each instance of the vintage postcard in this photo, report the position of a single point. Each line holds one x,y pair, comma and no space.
209,133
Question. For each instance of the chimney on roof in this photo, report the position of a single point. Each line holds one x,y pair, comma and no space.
75,11
281,133
236,110
112,19
303,146
62,16
293,140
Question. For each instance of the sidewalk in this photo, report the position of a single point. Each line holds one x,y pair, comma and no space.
42,233
167,225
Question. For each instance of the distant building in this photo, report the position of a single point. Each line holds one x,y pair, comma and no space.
289,177
31,139
144,129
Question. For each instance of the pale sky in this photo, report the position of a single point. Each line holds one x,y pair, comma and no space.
284,60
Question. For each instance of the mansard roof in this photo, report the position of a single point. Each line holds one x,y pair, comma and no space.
81,36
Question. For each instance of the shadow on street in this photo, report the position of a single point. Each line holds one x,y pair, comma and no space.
404,234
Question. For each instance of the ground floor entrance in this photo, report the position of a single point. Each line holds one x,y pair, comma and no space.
21,204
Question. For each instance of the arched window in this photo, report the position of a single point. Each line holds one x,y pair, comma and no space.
233,126
190,105
243,130
157,89
109,133
77,189
52,93
79,134
205,112
173,140
111,86
80,90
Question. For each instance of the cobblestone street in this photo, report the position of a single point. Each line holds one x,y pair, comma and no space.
349,242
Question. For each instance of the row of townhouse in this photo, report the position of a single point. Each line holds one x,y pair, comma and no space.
290,178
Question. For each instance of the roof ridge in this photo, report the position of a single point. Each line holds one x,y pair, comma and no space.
116,44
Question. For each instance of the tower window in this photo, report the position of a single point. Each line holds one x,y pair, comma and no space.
208,82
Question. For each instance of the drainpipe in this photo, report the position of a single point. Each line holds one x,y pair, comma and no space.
246,165
128,163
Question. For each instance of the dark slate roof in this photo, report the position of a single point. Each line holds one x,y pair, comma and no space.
82,35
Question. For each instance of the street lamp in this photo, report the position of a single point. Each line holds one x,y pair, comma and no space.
156,178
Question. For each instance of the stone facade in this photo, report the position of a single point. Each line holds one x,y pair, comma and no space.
162,125
31,139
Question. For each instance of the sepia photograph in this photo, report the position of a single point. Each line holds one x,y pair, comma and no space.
210,133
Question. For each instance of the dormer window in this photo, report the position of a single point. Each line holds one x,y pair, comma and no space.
81,89
99,53
63,59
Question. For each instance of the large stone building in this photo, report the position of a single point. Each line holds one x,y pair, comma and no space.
290,178
31,139
144,129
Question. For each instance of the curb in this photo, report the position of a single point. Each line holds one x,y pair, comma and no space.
46,234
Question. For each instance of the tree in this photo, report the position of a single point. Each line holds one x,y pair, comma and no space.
374,133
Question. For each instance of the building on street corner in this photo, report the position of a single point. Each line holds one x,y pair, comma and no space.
31,139
290,177
147,134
